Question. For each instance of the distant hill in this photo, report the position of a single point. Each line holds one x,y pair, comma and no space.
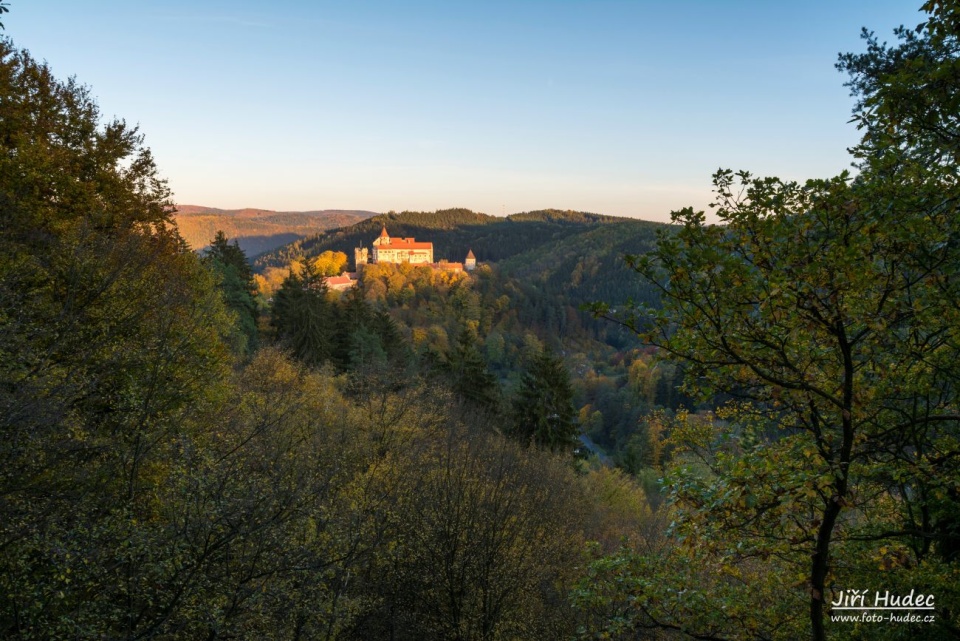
259,230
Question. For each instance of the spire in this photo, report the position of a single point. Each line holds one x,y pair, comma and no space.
470,255
383,232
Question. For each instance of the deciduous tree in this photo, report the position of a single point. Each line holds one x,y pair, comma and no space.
111,339
830,307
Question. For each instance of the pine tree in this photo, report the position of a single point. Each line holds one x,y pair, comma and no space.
352,313
237,287
543,412
472,380
304,317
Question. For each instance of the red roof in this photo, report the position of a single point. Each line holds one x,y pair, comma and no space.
342,282
470,255
383,232
406,243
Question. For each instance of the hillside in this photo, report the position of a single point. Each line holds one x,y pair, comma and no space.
585,267
259,230
453,232
550,262
537,270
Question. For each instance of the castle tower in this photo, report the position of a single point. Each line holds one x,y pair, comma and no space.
383,239
361,256
471,261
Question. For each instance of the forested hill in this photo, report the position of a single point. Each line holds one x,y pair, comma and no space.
453,232
258,230
551,262
589,265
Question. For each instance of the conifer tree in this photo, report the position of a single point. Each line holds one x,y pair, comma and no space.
543,413
390,337
352,312
237,287
472,380
304,317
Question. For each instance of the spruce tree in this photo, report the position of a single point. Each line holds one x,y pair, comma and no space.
543,413
237,287
304,317
472,380
352,314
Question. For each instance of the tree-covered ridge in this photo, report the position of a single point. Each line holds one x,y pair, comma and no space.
563,216
453,233
589,266
420,225
615,383
564,260
548,263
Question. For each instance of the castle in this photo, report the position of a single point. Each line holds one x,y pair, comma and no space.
400,250
406,250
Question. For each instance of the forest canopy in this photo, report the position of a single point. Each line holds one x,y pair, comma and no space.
173,467
182,456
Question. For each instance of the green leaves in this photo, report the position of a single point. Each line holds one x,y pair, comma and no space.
813,303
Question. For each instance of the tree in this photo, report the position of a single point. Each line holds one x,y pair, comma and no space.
237,287
331,263
830,308
111,337
472,380
366,352
484,533
303,316
799,305
543,412
907,101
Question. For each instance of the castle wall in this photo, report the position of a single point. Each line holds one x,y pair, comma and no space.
387,254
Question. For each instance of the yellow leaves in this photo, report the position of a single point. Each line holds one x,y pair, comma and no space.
618,494
272,278
731,571
892,556
695,433
330,263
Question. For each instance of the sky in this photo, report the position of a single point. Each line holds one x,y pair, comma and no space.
623,108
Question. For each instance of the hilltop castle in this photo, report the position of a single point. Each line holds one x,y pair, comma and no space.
400,250
406,250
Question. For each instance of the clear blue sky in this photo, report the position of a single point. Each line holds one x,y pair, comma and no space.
623,108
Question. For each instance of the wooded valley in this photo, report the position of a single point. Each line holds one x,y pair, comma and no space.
610,429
